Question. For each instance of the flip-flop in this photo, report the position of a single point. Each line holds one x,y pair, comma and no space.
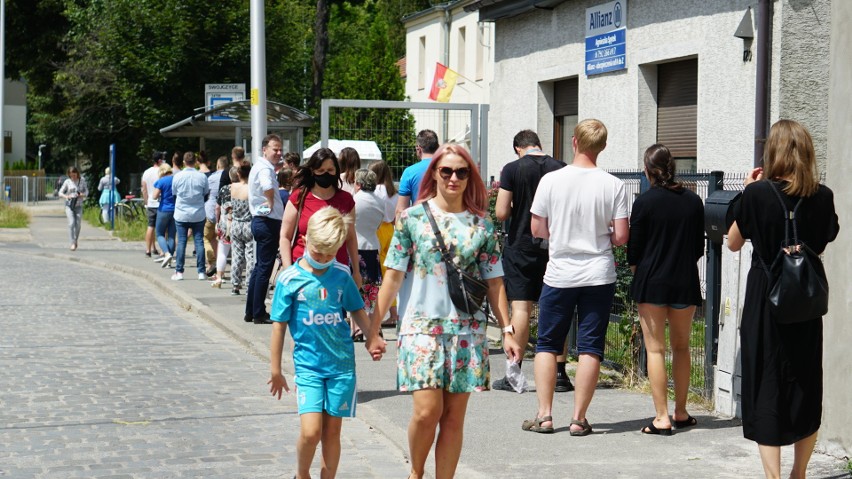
534,425
587,429
688,422
652,429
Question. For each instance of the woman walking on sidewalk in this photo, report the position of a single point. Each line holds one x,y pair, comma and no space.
443,353
165,224
74,191
666,241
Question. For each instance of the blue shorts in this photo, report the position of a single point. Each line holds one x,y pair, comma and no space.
336,395
556,310
674,305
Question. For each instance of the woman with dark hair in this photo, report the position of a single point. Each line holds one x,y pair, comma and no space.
74,191
319,186
666,241
242,240
781,363
386,190
177,161
349,161
432,331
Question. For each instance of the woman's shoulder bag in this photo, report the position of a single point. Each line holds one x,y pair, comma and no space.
466,291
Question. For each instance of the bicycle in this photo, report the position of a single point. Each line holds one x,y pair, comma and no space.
129,209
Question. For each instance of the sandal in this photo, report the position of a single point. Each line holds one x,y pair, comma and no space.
587,429
652,429
358,337
534,425
688,422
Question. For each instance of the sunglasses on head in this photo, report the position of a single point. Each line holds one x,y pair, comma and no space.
461,173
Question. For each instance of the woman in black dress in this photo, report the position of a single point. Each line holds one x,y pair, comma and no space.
666,241
781,363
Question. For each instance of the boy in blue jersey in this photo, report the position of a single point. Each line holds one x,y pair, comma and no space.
310,296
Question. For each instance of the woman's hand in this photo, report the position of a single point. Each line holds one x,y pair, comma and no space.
376,346
755,174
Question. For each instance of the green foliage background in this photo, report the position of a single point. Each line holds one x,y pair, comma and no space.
116,71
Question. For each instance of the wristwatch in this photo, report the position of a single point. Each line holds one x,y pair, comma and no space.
509,329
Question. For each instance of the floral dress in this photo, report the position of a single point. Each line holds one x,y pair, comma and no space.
429,311
242,241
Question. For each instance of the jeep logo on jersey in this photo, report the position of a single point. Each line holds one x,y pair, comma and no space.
332,319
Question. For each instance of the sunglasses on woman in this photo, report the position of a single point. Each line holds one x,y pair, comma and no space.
446,172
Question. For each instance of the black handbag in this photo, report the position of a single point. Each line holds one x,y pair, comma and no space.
798,288
466,291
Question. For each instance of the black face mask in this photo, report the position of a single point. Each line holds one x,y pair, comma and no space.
325,180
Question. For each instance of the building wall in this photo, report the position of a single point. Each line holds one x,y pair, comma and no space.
537,48
15,119
479,41
836,433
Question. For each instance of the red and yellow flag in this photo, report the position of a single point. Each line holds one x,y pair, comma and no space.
443,84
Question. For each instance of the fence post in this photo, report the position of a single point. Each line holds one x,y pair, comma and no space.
714,292
26,190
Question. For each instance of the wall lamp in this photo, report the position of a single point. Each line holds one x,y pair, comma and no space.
746,32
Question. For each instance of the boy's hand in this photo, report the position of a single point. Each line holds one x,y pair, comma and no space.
277,385
376,346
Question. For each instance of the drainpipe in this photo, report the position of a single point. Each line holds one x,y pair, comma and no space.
764,78
446,23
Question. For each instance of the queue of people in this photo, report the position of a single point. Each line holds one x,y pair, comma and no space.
334,228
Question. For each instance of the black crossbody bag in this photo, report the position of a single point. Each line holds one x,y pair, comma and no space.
466,291
798,288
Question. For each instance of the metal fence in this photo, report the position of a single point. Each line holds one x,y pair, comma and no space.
30,189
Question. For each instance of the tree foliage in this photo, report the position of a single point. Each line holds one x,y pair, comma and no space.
116,71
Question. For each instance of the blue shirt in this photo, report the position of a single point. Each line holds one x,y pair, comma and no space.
167,198
409,183
312,307
189,187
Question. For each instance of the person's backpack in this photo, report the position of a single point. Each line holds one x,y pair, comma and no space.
798,288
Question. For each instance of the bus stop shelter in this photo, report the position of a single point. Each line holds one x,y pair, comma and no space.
232,121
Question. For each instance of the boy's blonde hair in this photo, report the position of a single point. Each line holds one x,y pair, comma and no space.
327,230
591,136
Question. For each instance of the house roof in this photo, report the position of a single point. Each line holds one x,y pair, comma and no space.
490,10
237,114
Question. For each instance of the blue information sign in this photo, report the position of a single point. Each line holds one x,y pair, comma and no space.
606,37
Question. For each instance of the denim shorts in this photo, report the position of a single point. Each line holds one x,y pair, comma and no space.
335,395
454,363
673,305
556,308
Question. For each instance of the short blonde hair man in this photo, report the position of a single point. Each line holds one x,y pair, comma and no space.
327,230
591,136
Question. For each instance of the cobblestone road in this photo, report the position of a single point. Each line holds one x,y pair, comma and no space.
101,379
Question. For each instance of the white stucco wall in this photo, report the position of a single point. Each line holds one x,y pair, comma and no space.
15,120
473,89
836,433
545,46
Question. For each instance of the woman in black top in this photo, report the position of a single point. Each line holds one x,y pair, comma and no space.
781,363
666,241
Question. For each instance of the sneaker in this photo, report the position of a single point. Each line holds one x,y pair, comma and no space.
167,259
160,259
177,276
235,292
563,384
502,385
202,277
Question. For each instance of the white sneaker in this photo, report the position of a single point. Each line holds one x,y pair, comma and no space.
202,277
160,259
177,276
166,260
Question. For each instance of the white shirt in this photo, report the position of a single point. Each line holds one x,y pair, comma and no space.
580,204
210,204
369,214
262,178
390,203
149,177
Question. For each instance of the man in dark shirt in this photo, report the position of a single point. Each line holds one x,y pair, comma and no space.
524,257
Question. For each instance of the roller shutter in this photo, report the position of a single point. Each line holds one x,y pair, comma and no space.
677,107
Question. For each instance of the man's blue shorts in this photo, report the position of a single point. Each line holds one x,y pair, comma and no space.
556,310
336,395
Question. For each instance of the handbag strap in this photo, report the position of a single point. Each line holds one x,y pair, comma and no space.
296,228
445,255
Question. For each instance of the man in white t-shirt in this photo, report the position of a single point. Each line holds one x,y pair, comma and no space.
149,177
582,211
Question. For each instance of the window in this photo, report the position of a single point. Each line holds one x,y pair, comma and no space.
7,142
677,111
460,66
565,117
421,65
480,53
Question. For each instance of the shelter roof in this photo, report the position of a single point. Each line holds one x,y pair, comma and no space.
237,114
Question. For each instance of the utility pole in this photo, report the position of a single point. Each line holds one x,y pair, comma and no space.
258,77
2,95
